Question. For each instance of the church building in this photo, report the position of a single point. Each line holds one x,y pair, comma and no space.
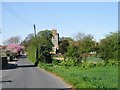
55,40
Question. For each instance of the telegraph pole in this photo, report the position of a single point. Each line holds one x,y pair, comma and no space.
35,31
37,61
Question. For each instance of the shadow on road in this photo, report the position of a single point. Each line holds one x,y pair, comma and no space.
22,56
5,81
25,66
10,66
14,66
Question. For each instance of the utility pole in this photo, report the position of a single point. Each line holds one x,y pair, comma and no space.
37,61
35,31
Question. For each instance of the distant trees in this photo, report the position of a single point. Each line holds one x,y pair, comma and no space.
27,40
85,42
12,40
83,45
74,50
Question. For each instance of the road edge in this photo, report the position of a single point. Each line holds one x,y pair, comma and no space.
54,74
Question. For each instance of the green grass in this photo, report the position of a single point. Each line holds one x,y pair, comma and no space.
97,77
31,53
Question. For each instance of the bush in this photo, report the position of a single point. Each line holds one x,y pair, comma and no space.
68,62
92,64
100,63
56,62
44,54
108,47
87,64
113,62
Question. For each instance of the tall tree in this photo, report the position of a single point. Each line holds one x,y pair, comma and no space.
108,47
43,44
84,42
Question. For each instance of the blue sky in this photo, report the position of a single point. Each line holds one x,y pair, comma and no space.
93,18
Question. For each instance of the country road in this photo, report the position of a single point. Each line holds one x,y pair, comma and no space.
25,75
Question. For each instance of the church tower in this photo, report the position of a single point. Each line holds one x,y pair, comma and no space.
55,40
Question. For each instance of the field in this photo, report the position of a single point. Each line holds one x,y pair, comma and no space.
97,77
78,77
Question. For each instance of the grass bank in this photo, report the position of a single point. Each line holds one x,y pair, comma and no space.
97,77
31,53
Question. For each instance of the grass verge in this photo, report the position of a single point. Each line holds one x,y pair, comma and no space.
97,77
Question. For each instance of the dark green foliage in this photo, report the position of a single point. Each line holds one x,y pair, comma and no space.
47,34
108,47
44,38
63,46
64,42
82,45
74,53
85,43
44,45
44,54
40,45
56,62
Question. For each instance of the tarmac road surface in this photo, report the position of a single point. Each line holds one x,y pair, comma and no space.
25,75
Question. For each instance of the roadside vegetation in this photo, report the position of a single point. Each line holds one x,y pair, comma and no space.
79,77
86,63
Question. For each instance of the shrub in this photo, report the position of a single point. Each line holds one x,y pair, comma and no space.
113,62
100,63
84,65
56,62
88,64
69,61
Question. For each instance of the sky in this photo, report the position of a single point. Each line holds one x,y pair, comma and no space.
95,18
